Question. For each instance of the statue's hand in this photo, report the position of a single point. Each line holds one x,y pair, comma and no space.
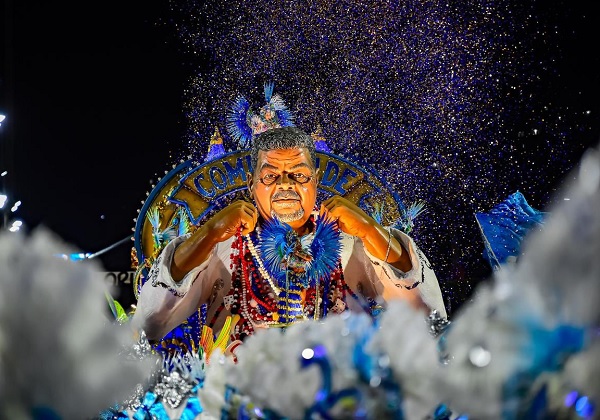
222,226
238,215
351,219
377,240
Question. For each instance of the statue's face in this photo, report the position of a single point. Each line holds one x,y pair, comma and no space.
284,185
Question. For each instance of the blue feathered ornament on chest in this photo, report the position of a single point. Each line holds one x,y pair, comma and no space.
307,259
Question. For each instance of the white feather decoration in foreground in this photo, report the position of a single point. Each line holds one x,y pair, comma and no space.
269,368
523,347
405,342
59,350
562,262
526,345
534,320
342,366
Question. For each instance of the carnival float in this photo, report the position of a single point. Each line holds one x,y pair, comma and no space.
517,350
526,345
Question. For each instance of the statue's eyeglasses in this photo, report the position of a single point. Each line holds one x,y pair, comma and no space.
298,177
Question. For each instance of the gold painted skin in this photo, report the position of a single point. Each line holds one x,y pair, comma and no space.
281,162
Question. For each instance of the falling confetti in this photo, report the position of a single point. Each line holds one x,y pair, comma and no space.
447,100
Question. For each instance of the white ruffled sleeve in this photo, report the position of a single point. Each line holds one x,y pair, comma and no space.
420,276
160,272
163,303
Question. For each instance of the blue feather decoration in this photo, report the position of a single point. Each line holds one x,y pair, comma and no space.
243,123
184,225
153,217
269,91
237,122
274,246
409,214
160,237
325,249
307,259
377,213
505,226
286,118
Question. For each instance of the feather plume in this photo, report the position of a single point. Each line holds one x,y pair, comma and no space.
58,351
284,115
237,122
184,225
269,91
325,250
322,250
153,217
243,124
274,246
377,213
407,222
160,237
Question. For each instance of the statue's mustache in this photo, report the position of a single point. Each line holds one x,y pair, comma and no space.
285,195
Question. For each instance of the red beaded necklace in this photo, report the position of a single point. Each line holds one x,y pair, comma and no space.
252,297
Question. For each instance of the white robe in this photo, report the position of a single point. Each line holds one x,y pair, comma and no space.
164,304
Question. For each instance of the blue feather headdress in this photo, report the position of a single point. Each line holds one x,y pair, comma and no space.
309,258
243,123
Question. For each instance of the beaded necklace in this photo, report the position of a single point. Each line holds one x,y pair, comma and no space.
261,267
255,296
289,305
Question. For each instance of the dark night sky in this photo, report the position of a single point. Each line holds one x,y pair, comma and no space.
93,94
